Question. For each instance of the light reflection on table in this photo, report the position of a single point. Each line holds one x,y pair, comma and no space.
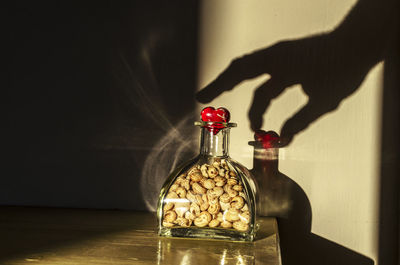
265,250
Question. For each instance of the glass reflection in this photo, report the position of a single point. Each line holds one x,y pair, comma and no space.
192,252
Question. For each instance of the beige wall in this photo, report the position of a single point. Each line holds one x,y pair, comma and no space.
335,160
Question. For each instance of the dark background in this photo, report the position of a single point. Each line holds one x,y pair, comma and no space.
91,89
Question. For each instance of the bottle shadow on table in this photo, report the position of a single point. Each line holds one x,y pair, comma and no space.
281,197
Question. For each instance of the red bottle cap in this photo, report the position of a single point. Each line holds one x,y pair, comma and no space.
209,114
215,119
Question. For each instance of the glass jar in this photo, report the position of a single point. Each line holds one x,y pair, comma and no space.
210,196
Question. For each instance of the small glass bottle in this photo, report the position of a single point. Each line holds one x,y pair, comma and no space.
210,196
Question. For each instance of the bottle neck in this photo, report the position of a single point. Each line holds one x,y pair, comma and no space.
214,144
266,159
266,150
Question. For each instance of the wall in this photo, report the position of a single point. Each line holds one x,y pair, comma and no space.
336,159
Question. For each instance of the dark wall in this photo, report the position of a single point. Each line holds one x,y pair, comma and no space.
91,88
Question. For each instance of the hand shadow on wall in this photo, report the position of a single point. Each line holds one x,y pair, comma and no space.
329,66
280,196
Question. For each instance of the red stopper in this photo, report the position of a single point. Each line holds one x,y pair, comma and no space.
210,114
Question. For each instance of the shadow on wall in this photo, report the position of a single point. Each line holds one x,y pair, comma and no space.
280,196
330,67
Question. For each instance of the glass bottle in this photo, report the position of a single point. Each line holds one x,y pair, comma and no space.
210,196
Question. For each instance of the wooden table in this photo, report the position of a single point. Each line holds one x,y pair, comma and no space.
73,236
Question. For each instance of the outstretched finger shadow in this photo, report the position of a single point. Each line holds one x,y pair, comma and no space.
329,67
283,198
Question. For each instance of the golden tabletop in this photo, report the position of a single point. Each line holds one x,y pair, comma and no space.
71,236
